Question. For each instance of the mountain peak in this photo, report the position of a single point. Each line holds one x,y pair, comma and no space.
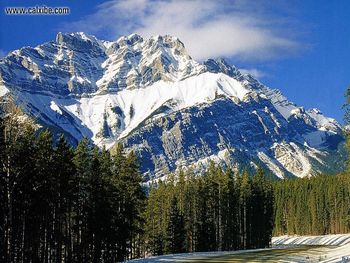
80,42
129,40
62,38
167,40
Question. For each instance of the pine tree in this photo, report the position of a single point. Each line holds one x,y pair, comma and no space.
45,194
64,169
133,202
82,162
262,209
175,230
155,235
245,193
231,208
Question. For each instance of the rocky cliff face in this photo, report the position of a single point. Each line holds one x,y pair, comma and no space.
173,111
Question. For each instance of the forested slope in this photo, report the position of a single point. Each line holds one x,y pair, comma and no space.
312,206
213,211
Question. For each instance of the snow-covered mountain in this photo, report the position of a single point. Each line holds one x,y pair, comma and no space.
173,111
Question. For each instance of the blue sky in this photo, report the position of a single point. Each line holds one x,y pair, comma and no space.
299,47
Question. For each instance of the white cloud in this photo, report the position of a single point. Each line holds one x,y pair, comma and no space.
239,29
253,71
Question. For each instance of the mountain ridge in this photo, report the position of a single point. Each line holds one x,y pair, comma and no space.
113,91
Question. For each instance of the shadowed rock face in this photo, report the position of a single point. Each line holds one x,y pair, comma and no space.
173,111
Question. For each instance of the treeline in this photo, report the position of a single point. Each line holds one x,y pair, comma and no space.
214,211
312,206
63,205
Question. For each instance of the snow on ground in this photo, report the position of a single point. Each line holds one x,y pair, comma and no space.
340,254
295,254
337,246
329,240
172,258
326,249
188,256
